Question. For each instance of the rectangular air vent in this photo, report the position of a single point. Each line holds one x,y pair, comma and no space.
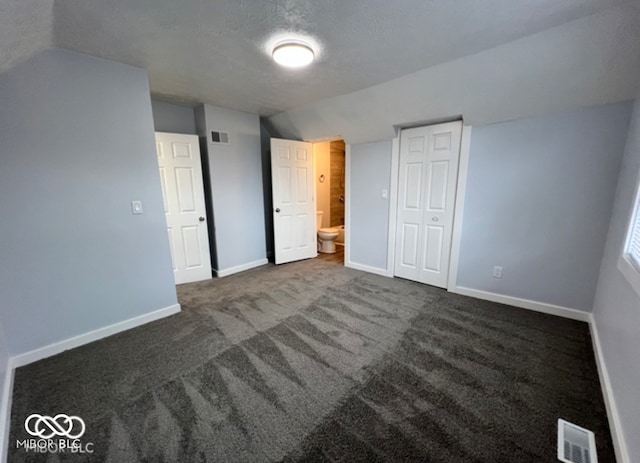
576,444
220,137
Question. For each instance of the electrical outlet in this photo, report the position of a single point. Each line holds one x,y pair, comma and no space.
497,272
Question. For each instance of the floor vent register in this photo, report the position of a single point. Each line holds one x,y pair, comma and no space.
576,444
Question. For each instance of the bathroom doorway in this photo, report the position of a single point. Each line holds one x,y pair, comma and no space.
330,168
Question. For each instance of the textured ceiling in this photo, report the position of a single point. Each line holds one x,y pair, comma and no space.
216,51
590,61
26,27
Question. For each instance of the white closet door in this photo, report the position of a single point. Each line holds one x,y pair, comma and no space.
426,199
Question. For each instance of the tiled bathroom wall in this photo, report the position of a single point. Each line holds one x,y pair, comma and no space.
337,150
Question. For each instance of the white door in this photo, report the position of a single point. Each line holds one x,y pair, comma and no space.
184,206
294,204
426,198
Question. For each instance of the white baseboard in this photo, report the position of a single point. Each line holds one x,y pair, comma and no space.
367,268
240,268
76,341
5,411
543,307
615,426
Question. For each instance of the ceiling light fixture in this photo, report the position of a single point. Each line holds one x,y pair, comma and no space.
293,53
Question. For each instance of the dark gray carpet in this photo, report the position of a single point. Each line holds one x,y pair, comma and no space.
313,362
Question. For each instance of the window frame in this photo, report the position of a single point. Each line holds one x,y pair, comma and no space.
629,269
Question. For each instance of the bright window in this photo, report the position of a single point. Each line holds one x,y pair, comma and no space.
629,262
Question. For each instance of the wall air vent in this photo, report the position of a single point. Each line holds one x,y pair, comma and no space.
220,137
576,444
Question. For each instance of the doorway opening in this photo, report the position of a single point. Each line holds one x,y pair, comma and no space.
330,172
308,185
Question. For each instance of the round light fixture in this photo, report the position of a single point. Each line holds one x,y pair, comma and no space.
293,53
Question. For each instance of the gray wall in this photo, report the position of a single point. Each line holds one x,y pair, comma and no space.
370,167
200,122
168,117
4,354
4,359
617,307
538,202
235,175
77,147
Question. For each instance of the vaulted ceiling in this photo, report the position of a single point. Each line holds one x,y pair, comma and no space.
217,51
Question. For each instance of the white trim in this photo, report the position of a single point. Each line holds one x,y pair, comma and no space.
393,205
183,137
5,410
456,238
367,268
626,267
347,206
314,195
86,338
615,426
240,268
629,272
543,307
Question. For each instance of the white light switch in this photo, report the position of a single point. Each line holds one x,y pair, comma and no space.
385,193
136,207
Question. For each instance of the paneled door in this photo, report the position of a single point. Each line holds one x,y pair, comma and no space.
184,206
294,203
426,199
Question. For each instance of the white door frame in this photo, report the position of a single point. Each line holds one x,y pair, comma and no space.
347,206
458,213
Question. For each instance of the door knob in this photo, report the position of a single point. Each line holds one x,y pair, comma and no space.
277,209
435,219
201,219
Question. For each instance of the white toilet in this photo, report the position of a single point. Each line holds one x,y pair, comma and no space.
326,236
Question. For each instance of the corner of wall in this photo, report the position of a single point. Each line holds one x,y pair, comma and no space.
6,385
236,188
615,424
616,314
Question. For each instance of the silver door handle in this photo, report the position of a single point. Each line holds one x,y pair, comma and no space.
435,219
201,219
